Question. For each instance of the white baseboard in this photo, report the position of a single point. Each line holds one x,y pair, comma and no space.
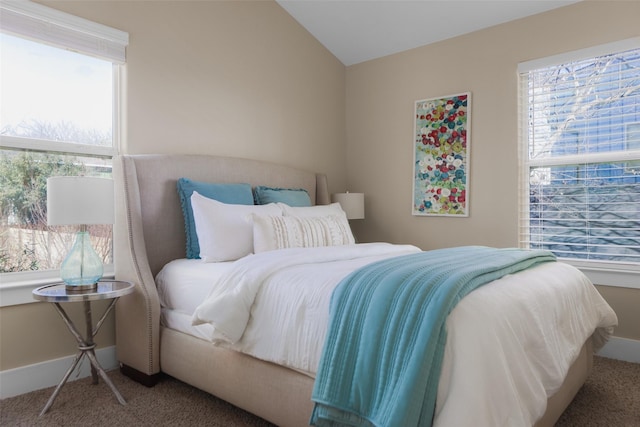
48,374
621,349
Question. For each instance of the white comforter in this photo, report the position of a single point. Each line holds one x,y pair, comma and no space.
510,343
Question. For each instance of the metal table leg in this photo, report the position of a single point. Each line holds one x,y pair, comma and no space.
86,346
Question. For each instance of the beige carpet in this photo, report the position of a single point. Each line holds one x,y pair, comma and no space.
611,397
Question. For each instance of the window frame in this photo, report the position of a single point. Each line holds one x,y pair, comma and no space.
49,26
601,273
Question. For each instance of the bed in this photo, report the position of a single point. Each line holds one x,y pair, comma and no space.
155,331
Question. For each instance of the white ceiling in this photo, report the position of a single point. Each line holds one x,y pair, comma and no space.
360,30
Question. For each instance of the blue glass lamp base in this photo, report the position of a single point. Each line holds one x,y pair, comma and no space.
82,268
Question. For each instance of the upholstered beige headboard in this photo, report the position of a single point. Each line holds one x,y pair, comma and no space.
149,232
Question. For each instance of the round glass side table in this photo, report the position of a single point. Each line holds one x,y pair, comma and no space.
56,294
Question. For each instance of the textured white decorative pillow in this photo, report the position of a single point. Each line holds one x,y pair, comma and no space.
225,231
279,232
312,211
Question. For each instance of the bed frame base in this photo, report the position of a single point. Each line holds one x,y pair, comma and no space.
283,396
277,394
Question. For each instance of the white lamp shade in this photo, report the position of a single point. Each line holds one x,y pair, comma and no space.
351,203
79,200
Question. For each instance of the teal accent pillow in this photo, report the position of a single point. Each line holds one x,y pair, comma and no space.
288,196
237,194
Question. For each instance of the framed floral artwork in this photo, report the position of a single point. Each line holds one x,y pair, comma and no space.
441,156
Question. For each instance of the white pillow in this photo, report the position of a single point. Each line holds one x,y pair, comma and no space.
312,211
280,232
225,231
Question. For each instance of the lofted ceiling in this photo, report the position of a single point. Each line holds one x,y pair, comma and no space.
359,30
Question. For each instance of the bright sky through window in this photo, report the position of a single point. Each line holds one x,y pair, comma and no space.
75,89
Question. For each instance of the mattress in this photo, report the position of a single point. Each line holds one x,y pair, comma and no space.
184,283
182,286
510,343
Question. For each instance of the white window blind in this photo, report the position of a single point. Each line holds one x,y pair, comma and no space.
580,155
43,24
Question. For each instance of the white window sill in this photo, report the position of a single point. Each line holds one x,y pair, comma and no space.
17,288
620,279
609,274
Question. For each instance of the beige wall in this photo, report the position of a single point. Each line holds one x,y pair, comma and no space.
33,333
380,101
626,303
236,78
233,78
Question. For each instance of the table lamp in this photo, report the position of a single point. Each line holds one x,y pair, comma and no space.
352,204
80,200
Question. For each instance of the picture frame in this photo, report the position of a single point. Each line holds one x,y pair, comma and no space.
442,137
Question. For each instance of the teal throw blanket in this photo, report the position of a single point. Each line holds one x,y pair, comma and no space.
382,356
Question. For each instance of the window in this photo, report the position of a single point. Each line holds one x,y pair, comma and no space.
580,155
59,111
